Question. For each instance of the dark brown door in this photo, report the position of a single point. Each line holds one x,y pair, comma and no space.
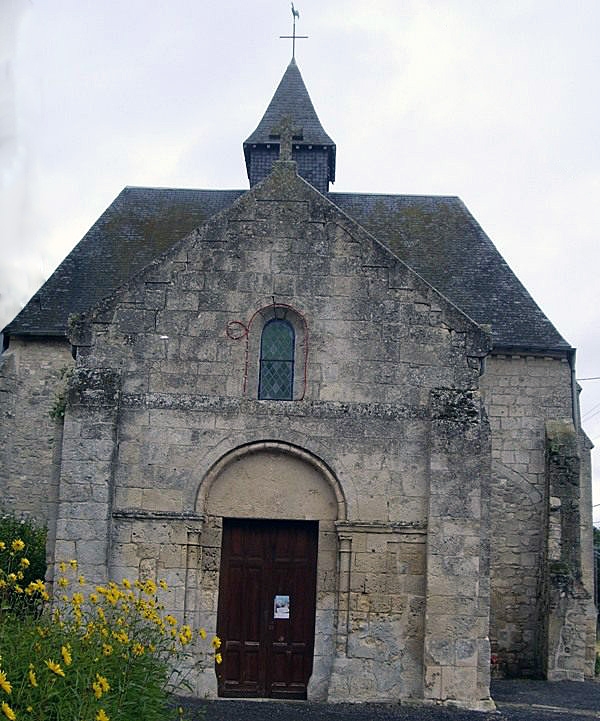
266,616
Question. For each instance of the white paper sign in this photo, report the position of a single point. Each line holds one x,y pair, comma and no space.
281,607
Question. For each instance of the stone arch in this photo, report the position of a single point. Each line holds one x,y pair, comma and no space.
253,333
244,482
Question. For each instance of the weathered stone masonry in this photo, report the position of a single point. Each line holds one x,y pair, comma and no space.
157,401
523,395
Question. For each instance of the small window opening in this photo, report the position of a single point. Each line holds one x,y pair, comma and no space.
277,361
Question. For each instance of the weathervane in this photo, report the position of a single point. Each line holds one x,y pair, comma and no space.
293,36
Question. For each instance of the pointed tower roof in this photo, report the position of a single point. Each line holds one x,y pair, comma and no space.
291,99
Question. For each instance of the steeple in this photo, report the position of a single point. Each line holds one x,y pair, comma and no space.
312,148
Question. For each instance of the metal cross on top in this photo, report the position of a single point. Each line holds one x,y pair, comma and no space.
293,36
286,131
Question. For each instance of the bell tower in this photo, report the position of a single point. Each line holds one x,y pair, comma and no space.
312,149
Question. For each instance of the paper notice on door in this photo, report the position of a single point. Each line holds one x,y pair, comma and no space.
281,607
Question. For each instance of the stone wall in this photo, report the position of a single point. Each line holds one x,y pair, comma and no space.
569,624
32,381
165,391
521,394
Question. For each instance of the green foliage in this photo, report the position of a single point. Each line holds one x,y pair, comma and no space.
59,406
33,537
105,654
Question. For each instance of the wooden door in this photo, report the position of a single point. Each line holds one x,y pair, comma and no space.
266,616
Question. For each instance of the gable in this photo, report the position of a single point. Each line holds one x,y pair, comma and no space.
376,328
436,236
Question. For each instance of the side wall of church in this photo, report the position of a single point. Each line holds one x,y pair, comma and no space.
522,394
32,382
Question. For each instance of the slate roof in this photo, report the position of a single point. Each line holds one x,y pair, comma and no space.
439,238
436,236
291,99
139,225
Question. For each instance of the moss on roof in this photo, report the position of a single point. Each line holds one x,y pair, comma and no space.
435,235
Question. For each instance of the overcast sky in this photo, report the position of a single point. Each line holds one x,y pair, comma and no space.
495,101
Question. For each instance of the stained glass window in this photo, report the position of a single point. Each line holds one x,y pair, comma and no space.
277,361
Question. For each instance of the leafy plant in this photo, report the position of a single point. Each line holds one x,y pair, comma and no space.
19,566
106,654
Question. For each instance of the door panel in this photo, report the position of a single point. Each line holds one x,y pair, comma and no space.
267,652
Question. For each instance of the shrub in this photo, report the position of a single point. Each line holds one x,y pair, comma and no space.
104,655
22,564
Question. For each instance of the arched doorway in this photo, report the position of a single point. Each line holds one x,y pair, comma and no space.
276,506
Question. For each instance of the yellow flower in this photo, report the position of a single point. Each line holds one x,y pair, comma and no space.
62,567
32,677
55,667
100,686
218,658
63,582
202,633
2,546
185,635
4,682
149,587
216,642
163,584
171,620
126,583
17,545
25,562
107,649
73,564
81,580
93,598
77,599
101,716
65,652
138,649
8,712
35,587
121,636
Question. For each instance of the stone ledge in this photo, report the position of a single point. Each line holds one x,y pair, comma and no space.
138,514
312,409
419,529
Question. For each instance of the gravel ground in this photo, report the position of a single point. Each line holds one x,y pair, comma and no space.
516,701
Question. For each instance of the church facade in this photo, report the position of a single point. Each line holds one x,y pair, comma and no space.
336,424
